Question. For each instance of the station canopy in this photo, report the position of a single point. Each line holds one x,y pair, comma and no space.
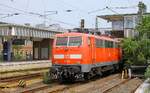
15,30
115,17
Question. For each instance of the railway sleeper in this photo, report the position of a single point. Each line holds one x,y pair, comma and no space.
3,87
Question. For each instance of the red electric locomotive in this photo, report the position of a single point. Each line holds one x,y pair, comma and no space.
80,55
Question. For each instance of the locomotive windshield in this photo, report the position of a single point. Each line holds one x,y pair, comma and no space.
61,41
73,41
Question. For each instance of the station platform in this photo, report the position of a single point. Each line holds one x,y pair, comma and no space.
23,68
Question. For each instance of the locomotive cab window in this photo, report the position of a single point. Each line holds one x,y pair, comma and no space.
61,41
75,41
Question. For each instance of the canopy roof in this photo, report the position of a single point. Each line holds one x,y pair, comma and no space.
117,16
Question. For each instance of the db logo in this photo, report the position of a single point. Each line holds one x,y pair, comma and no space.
67,56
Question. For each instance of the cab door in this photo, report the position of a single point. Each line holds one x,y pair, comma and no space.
91,49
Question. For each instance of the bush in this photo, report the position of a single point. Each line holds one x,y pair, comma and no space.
46,78
147,73
18,57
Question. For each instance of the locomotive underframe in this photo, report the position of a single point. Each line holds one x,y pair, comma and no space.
76,72
65,73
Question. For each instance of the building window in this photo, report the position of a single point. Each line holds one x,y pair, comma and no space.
117,25
128,22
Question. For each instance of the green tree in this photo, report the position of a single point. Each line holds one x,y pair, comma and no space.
144,36
137,49
144,28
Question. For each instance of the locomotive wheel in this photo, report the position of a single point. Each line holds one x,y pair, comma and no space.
66,80
113,69
61,79
116,68
72,79
86,76
99,73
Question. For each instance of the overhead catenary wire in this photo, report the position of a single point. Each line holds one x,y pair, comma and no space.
111,9
13,8
96,10
60,22
34,13
75,7
81,12
128,7
108,8
3,14
9,15
26,12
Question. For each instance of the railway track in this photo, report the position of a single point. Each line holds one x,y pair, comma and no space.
100,84
44,88
52,88
104,85
14,81
58,88
33,88
126,87
19,77
108,84
112,86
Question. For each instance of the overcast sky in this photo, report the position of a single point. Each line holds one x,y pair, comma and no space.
80,9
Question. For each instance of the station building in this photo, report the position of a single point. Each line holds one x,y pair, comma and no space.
21,42
123,25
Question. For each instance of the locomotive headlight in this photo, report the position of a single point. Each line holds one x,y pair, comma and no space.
58,56
75,56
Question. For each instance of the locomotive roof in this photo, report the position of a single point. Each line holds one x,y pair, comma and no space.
104,37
